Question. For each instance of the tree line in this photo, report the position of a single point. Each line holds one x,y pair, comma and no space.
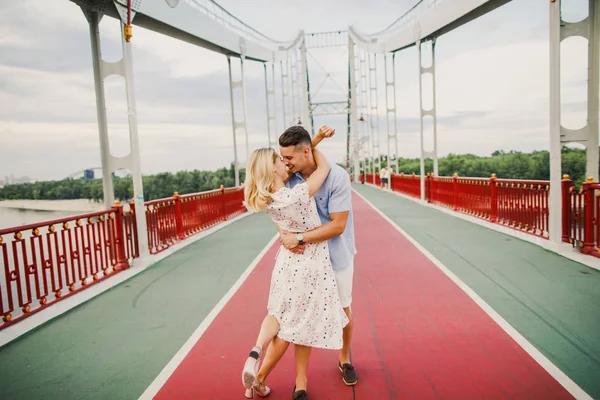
157,186
507,165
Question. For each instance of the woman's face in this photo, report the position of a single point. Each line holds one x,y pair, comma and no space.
279,167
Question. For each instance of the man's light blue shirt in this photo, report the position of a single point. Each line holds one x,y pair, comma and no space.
335,196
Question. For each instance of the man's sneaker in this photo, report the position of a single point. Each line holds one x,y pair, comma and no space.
348,374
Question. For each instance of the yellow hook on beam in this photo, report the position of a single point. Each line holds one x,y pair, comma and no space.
127,32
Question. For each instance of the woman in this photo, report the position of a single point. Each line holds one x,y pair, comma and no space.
303,307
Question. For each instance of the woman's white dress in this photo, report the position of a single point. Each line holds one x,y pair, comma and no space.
304,296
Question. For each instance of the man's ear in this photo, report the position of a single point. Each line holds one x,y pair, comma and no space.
307,151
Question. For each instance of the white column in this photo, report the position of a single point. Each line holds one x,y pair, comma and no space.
274,101
353,109
245,126
285,93
293,64
365,139
434,112
422,144
593,89
110,163
107,183
271,111
559,135
424,113
554,206
234,123
135,163
374,113
305,106
390,103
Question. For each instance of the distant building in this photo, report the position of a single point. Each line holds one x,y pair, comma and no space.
1,183
11,180
88,174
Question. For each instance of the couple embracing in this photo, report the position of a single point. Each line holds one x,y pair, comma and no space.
309,199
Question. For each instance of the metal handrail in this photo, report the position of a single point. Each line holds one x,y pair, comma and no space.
410,17
215,11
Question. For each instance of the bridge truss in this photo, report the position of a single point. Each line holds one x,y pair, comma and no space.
204,23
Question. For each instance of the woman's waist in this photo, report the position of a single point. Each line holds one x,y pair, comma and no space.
310,249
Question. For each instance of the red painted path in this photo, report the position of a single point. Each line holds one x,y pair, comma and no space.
417,336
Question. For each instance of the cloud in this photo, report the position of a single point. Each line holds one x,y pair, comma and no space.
492,86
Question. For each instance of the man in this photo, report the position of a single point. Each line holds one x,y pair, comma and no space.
334,205
388,177
383,178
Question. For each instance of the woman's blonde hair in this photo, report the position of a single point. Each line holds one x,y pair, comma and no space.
258,187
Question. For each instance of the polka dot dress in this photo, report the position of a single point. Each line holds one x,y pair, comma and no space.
303,295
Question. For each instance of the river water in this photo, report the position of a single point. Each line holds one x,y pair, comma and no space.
12,217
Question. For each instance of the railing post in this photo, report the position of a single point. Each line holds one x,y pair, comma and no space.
134,230
428,188
455,191
178,217
119,238
566,208
402,187
494,200
223,205
588,219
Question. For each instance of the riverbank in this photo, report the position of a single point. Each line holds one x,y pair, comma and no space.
78,205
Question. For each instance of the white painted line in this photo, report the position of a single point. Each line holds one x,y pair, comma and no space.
564,249
552,369
168,370
139,265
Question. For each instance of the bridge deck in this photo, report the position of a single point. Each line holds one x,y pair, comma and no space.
417,335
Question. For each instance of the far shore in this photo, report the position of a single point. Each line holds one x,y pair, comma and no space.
83,205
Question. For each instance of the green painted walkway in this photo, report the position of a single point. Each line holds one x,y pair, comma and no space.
116,344
113,346
552,301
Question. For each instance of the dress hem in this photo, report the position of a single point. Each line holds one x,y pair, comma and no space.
300,343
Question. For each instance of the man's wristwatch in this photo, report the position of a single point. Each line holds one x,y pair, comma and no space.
300,238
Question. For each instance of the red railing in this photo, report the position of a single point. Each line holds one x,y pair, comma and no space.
49,261
407,184
43,263
580,216
522,205
178,217
161,219
519,204
373,179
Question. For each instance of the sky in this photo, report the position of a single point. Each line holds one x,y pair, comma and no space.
492,85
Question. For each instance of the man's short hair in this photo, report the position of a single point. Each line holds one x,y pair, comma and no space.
295,136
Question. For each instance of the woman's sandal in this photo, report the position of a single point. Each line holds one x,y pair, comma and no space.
260,386
256,387
251,368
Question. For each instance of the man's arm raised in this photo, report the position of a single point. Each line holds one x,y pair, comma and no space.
324,133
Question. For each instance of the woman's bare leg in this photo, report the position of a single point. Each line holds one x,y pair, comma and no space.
268,330
275,351
302,354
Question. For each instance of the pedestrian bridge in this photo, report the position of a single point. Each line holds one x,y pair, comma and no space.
444,308
464,288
